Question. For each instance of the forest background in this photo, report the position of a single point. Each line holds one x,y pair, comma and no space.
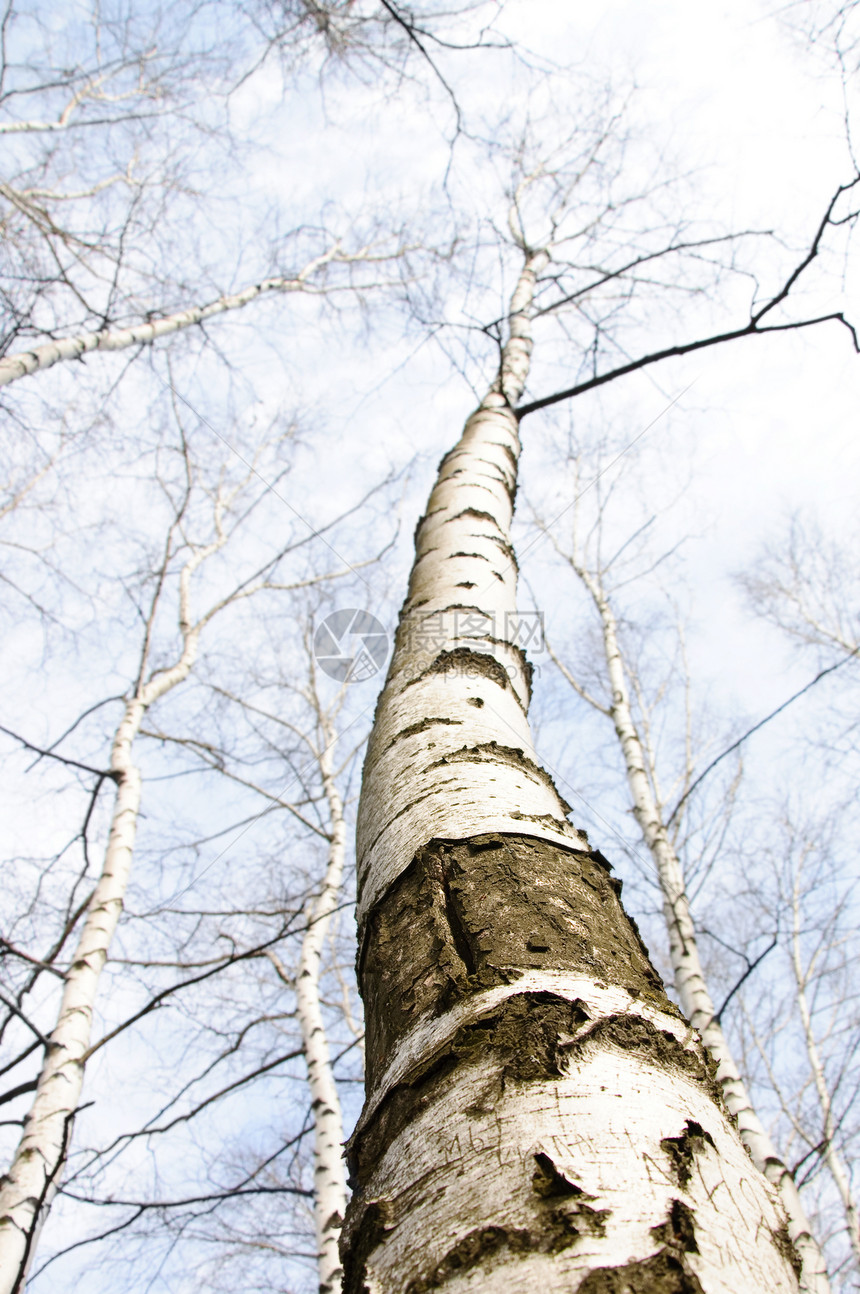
364,170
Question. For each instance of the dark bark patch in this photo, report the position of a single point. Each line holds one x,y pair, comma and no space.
409,965
422,726
487,1247
550,1184
542,819
575,1219
785,1246
473,663
662,1273
460,933
478,1249
679,1229
470,915
683,1149
526,1033
482,556
474,512
367,1223
463,660
570,1205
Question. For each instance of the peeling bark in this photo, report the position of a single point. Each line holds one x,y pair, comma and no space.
534,1099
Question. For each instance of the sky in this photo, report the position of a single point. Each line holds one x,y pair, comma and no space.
737,438
763,427
755,431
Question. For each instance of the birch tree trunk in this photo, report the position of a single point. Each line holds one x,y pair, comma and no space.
539,1116
46,355
689,978
27,1189
329,1175
29,1186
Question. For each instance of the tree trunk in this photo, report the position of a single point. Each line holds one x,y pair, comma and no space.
329,1176
835,1165
28,1188
689,977
539,1116
50,353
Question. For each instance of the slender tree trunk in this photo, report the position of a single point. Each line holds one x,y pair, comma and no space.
539,1116
689,977
54,352
329,1174
829,1153
50,353
27,1189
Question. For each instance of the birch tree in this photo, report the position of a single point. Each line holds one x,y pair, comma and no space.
119,139
311,973
805,585
330,1191
621,696
498,790
31,1181
798,1029
329,1175
538,1112
310,279
809,971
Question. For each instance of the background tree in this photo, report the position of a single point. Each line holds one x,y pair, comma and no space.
187,489
92,272
816,1096
602,565
805,586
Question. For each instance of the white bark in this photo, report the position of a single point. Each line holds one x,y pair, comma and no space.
689,978
49,353
835,1165
329,1171
471,767
551,1123
602,1125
